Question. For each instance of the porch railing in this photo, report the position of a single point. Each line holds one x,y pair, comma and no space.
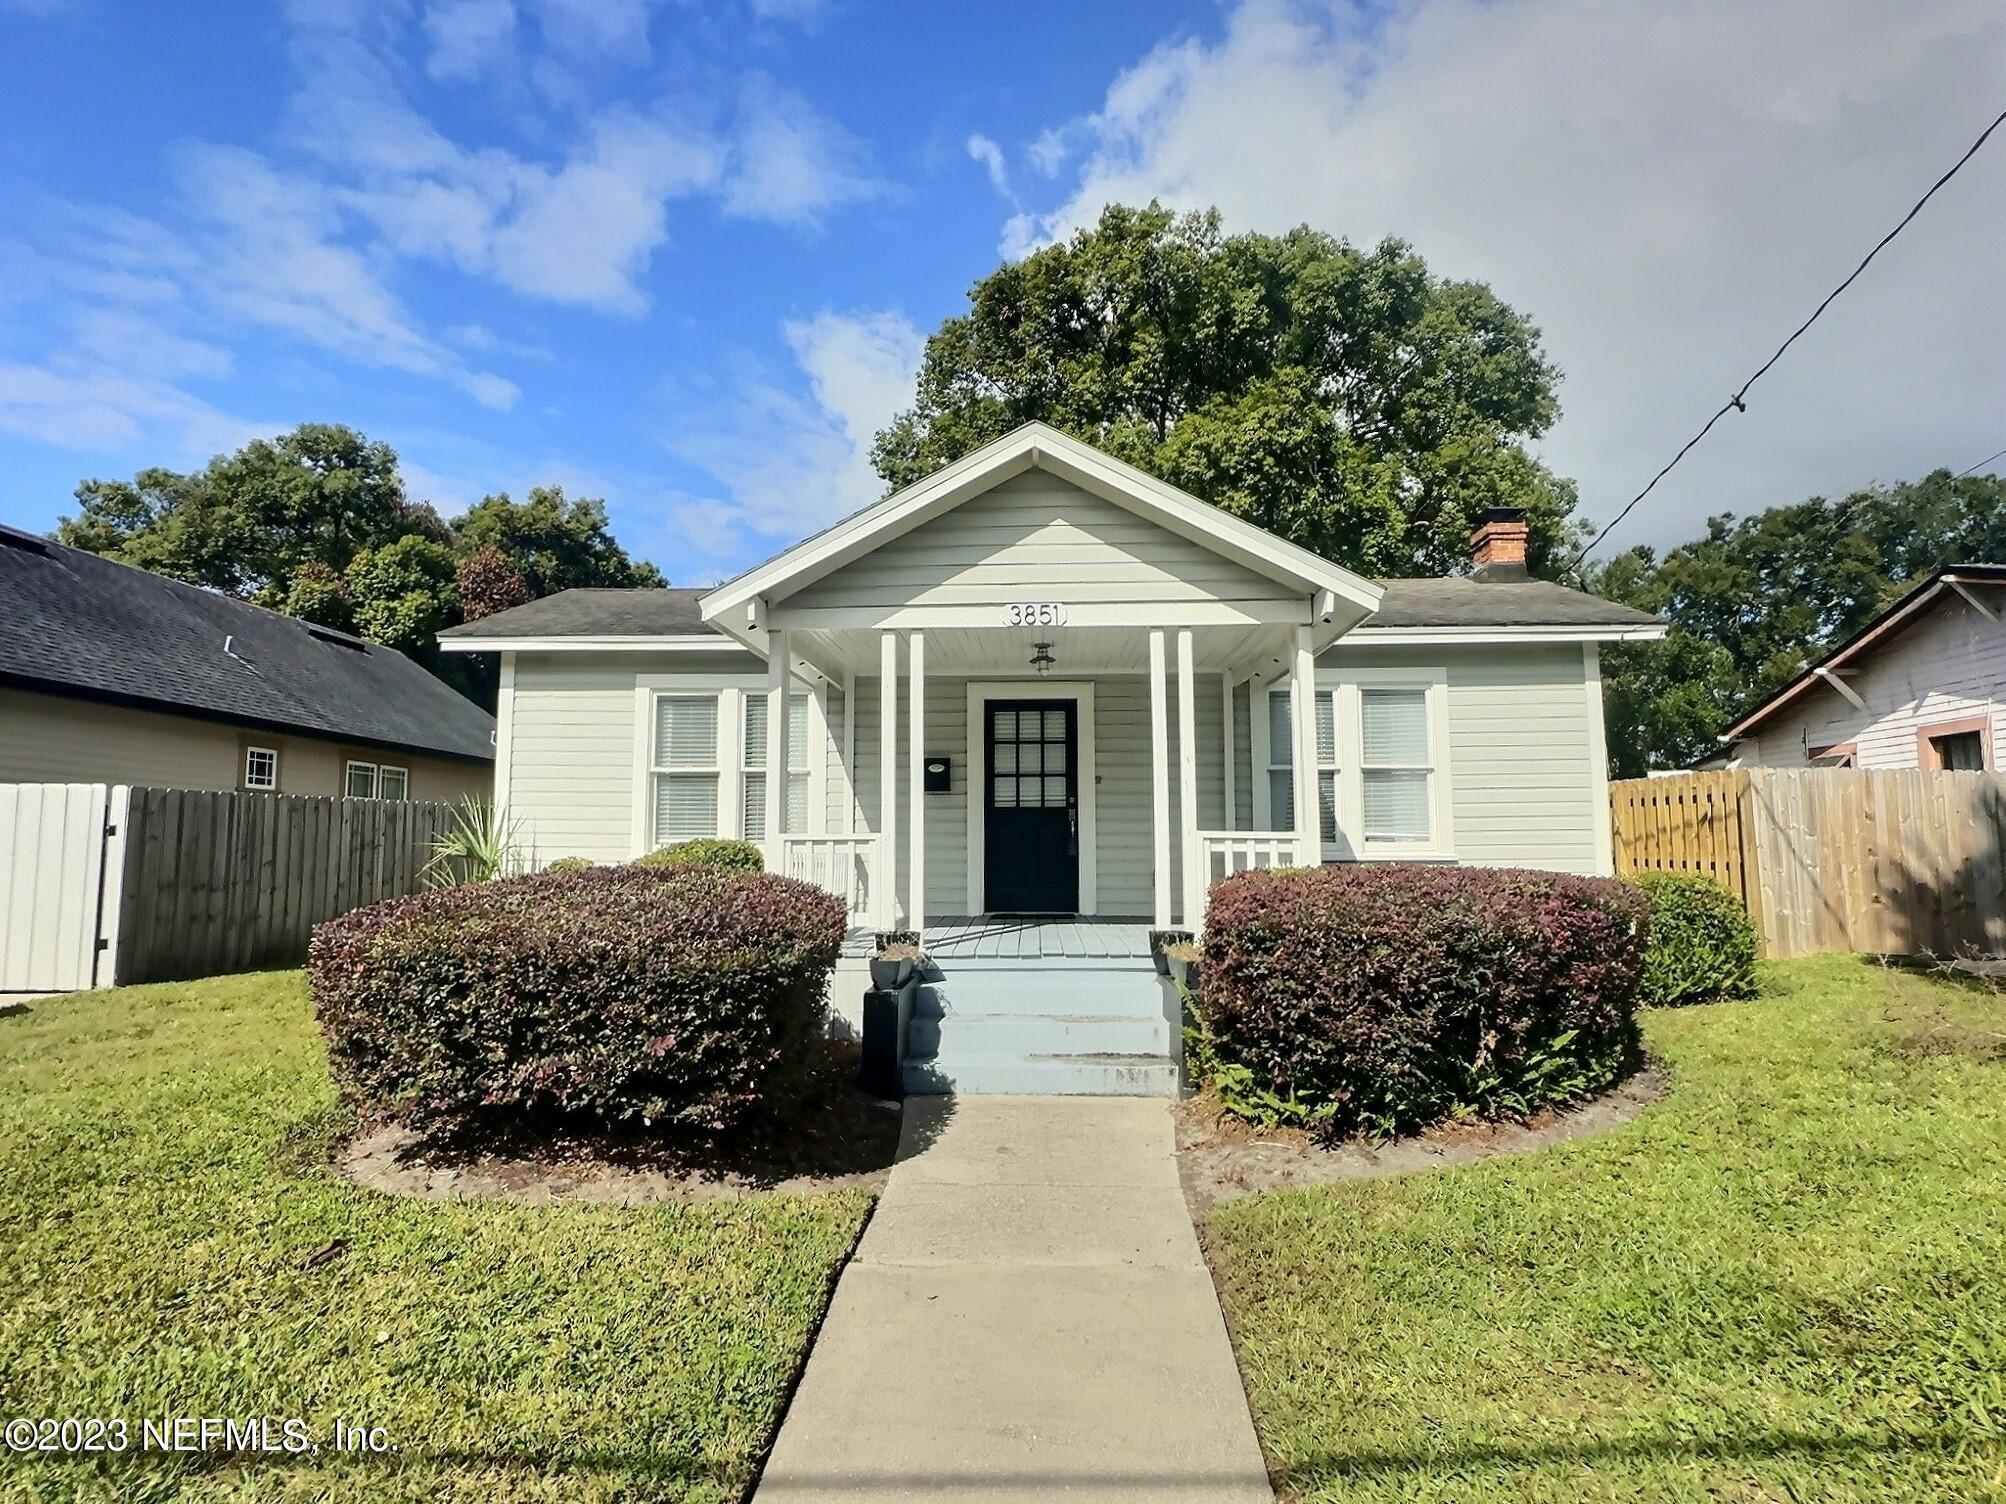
1221,853
844,865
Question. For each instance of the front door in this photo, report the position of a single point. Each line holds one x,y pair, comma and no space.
1031,808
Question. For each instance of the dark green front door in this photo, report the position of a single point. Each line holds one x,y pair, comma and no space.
1031,808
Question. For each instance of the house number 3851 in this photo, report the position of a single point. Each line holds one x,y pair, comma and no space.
1034,614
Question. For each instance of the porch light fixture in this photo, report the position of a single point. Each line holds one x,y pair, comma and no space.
1042,660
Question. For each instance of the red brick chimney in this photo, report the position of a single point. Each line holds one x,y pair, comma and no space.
1497,547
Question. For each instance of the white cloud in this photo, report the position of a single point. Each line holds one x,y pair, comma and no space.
468,36
790,463
789,163
98,407
982,149
1049,150
1665,189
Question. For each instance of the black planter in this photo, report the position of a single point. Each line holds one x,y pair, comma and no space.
890,975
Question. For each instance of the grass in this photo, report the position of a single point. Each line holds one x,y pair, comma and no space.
1787,1281
163,1184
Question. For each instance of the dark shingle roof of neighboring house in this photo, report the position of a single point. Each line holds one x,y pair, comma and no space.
1467,603
73,622
597,613
1895,619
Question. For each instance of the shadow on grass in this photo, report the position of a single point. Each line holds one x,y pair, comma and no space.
1369,1463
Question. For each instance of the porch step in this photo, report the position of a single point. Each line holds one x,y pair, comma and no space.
966,991
994,1035
1052,1075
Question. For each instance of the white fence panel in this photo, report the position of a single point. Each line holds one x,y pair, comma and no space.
59,874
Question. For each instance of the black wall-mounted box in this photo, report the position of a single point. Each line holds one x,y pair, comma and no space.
939,775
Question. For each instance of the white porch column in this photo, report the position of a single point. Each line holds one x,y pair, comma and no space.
1302,699
916,785
779,661
1159,776
888,780
1187,783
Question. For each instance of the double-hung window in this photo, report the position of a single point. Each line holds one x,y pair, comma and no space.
685,767
1381,764
375,780
753,766
1281,763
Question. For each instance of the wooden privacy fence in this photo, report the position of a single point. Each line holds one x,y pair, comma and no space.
192,883
1884,863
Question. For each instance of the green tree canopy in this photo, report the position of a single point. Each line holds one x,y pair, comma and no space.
1346,399
1757,600
316,523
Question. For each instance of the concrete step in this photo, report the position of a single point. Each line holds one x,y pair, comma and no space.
990,1035
1050,1075
1116,993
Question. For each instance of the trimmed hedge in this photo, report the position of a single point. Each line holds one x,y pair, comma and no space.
731,855
1702,941
614,995
1384,998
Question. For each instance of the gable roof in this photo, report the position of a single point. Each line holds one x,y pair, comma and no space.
1044,447
596,612
75,622
1897,618
1460,601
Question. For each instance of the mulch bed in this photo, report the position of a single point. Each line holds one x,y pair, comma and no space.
831,1136
1220,1157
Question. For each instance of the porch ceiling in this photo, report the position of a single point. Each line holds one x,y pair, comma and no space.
1005,652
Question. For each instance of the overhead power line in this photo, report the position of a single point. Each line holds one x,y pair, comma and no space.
1981,464
1737,403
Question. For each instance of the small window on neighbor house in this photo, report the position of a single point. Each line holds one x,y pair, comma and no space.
1960,752
1832,757
261,769
391,783
361,780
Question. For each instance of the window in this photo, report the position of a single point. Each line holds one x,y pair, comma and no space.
753,765
261,769
1395,766
1960,752
1281,763
1379,764
685,767
369,780
1838,755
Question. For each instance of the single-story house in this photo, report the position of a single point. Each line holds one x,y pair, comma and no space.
1104,674
111,674
1923,685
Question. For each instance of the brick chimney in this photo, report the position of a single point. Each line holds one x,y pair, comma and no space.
1497,547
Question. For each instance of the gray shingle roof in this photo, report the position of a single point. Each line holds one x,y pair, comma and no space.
597,613
1464,602
73,621
1459,602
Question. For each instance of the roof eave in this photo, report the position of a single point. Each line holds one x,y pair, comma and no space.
675,642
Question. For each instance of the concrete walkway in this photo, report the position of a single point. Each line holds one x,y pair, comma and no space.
1027,1318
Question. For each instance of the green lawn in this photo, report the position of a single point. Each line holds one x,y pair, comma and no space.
161,1188
1787,1281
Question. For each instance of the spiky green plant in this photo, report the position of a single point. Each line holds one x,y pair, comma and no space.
479,845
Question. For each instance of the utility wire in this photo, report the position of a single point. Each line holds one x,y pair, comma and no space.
1736,402
1980,465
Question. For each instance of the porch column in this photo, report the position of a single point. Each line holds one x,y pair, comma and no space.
886,877
916,785
1187,783
1159,776
1303,735
778,662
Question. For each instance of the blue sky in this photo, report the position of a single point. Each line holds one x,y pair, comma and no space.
683,256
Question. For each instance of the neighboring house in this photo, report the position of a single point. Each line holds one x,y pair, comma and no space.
110,674
1923,686
1103,669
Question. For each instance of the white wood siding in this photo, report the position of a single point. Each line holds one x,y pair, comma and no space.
1036,537
1950,666
571,754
